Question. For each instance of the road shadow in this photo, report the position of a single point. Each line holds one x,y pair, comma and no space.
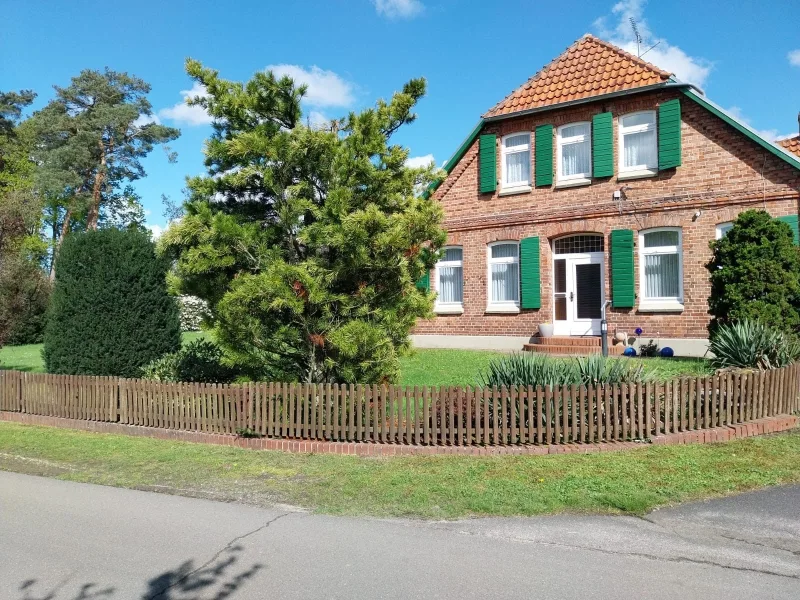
218,579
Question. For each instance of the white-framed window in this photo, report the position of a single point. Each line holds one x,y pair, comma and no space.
516,163
661,269
503,277
574,152
723,229
450,281
638,144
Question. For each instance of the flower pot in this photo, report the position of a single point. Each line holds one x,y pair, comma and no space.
546,330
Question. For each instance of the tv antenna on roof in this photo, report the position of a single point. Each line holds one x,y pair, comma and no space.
638,37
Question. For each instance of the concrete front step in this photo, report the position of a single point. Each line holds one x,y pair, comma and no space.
575,350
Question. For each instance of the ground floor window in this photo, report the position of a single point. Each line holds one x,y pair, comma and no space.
661,268
723,229
450,280
504,276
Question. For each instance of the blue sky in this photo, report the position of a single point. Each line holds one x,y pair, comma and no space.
745,54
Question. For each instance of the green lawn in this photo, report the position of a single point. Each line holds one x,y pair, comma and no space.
461,367
29,358
421,367
632,481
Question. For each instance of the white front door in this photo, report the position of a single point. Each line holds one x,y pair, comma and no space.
578,293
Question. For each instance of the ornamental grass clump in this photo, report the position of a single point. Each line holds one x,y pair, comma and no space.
752,344
522,370
598,370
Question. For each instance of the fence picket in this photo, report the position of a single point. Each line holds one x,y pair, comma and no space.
452,416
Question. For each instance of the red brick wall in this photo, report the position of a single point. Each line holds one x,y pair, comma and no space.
723,173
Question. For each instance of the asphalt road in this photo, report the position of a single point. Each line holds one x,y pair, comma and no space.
69,541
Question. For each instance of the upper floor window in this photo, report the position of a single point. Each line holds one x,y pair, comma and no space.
661,269
504,276
575,152
638,143
516,162
723,229
450,281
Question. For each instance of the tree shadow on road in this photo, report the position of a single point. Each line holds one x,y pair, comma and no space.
217,579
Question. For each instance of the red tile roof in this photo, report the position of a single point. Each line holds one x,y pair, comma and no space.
791,144
590,67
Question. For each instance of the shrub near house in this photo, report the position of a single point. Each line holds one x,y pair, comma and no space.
755,274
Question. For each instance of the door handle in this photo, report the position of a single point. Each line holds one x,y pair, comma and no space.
570,296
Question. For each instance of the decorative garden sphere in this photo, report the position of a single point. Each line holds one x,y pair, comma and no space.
621,337
667,352
629,351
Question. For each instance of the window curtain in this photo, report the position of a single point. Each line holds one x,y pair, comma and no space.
451,286
661,275
518,167
505,278
640,149
575,159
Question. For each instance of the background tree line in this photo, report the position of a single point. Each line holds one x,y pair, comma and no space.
66,168
306,242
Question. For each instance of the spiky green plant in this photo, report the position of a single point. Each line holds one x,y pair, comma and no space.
598,370
530,369
752,344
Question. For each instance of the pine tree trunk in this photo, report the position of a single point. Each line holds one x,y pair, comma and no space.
94,209
57,247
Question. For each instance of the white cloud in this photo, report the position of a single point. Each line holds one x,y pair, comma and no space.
398,9
420,161
155,231
770,135
325,88
794,58
318,120
143,120
183,113
692,69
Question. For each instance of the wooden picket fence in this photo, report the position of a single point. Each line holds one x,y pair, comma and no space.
454,416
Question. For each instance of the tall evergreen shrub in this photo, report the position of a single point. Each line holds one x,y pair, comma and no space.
755,274
110,312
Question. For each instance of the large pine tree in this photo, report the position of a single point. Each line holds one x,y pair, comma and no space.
307,241
91,139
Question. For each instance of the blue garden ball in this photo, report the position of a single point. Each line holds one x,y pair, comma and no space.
629,351
667,352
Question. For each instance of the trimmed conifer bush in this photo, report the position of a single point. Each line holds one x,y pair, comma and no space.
110,312
755,274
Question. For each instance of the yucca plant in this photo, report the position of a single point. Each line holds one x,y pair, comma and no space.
528,369
541,370
598,370
752,344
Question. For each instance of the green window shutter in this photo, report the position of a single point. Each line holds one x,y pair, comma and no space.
602,145
791,220
487,150
530,273
424,282
622,294
669,134
544,155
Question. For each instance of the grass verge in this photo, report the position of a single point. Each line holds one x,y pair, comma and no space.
632,481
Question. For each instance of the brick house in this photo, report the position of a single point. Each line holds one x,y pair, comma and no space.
601,180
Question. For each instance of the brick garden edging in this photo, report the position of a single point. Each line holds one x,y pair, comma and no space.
717,434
